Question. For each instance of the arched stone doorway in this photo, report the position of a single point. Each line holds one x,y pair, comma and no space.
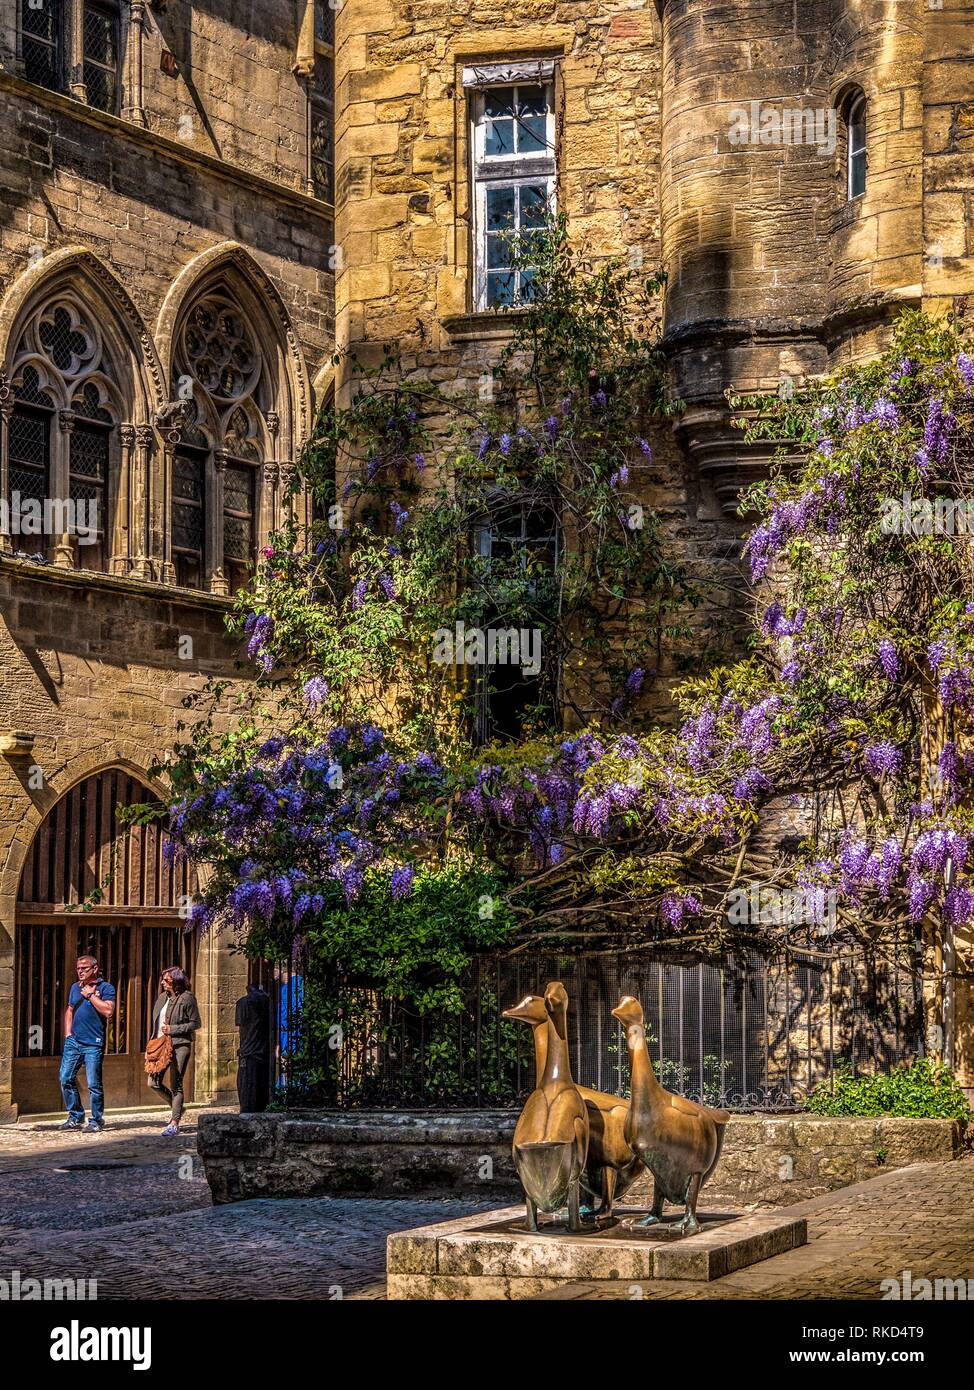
92,886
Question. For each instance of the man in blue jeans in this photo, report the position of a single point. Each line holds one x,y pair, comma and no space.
91,1004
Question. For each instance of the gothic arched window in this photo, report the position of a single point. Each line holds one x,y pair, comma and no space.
220,373
63,438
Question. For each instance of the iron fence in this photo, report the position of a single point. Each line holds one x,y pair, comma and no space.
749,1034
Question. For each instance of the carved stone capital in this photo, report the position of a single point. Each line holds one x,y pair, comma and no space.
126,434
145,436
66,419
7,398
220,457
273,422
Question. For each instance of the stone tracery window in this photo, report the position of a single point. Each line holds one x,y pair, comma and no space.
62,438
217,468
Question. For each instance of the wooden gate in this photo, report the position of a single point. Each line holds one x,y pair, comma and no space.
91,886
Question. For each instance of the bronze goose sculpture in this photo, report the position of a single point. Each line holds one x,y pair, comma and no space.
611,1166
551,1138
678,1140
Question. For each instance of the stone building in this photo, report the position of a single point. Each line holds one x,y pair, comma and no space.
167,219
801,171
166,243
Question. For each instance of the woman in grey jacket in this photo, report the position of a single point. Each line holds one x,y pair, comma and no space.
176,1016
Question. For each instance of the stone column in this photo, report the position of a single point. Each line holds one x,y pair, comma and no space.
76,51
162,504
133,108
121,540
271,480
138,502
61,486
215,576
6,410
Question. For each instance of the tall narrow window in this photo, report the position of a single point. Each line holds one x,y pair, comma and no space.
30,464
189,516
100,36
42,42
855,123
513,144
321,107
88,471
517,549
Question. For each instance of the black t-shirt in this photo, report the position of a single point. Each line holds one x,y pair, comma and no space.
252,1018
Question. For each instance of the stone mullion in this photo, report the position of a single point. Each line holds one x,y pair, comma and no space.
133,109
270,481
76,51
6,411
60,491
138,502
161,506
216,580
121,540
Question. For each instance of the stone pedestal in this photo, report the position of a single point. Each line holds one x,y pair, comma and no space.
492,1255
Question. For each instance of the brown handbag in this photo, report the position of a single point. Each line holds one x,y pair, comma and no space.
158,1055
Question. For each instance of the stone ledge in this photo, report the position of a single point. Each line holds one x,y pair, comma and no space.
768,1161
469,1259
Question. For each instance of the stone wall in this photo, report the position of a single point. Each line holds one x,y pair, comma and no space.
766,1161
200,182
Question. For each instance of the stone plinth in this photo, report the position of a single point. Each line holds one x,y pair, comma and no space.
493,1256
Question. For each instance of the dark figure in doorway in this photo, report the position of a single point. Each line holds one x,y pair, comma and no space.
91,1004
253,1017
175,1014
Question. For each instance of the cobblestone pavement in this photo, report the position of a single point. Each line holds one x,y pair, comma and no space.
919,1219
110,1206
61,1216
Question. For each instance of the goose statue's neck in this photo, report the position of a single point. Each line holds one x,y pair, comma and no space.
646,1090
557,1067
540,1034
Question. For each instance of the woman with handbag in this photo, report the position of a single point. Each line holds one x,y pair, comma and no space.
175,1018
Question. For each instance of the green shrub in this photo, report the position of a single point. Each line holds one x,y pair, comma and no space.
921,1089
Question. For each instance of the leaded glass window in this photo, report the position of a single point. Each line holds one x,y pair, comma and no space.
42,42
239,535
322,129
88,472
189,516
100,34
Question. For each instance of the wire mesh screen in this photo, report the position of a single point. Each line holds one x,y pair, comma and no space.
747,1034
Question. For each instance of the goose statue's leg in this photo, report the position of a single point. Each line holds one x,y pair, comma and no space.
575,1222
532,1218
689,1226
609,1176
656,1215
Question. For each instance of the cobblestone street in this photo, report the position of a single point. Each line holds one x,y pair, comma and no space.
137,1194
110,1207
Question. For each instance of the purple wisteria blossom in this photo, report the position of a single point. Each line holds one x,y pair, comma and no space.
889,658
883,759
316,690
402,881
